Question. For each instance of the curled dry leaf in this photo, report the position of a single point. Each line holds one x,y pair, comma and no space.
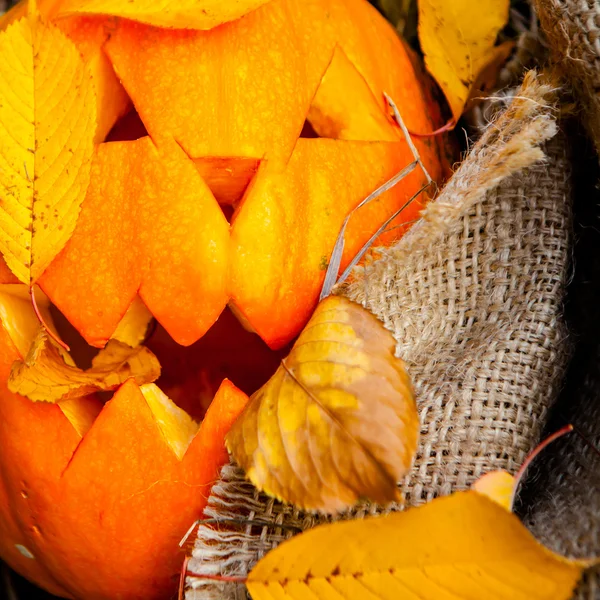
463,546
47,127
337,421
458,40
48,373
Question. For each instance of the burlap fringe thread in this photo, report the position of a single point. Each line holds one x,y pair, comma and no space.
473,294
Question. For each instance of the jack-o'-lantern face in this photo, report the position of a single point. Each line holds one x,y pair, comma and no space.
228,157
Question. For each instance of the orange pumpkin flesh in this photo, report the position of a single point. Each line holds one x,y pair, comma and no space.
150,224
118,492
222,118
287,224
218,189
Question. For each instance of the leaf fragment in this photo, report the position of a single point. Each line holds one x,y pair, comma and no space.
47,127
497,486
462,546
458,41
177,14
337,421
48,374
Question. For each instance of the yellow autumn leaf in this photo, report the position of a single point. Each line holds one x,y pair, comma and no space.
337,421
457,38
47,125
460,547
18,317
48,373
179,14
133,327
497,486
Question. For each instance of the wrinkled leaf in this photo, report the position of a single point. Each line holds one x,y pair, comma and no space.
180,14
47,127
48,373
337,421
458,41
463,547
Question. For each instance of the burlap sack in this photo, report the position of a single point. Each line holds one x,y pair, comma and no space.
573,31
564,498
473,294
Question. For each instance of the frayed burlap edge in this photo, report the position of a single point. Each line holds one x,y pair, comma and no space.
509,144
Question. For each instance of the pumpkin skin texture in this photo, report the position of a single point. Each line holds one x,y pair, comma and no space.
227,159
119,491
234,100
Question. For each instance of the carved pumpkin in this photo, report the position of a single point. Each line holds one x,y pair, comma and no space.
228,156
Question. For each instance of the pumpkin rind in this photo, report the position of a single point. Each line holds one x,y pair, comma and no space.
93,500
235,97
118,492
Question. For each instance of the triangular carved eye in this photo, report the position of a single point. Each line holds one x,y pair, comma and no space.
345,108
128,128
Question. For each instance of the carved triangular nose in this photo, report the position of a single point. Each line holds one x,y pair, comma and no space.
227,178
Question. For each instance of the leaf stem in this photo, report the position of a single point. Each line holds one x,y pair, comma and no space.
38,314
531,456
449,126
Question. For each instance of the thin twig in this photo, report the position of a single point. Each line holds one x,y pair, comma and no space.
370,241
338,249
335,261
182,576
407,135
449,126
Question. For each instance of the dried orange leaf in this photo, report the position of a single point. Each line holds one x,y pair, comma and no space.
47,126
179,14
463,547
458,39
337,421
498,486
48,373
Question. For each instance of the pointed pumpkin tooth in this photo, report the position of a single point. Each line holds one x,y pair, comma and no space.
82,412
177,427
226,407
345,108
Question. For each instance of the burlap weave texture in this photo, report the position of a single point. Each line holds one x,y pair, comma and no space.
473,295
